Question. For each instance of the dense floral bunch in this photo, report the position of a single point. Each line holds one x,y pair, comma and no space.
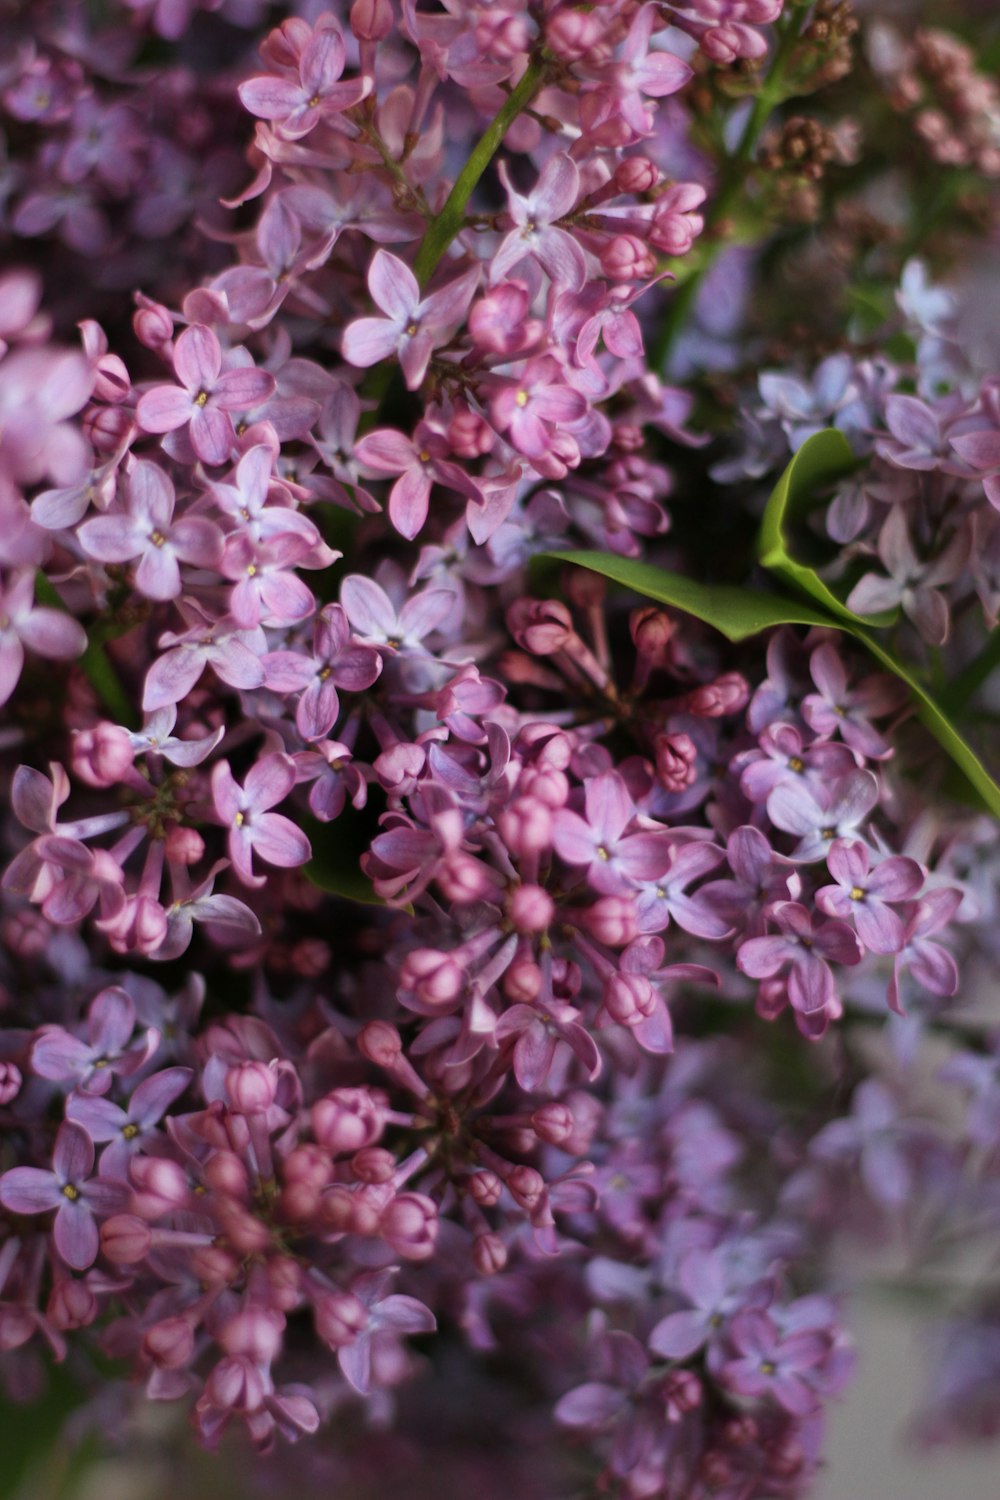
377,888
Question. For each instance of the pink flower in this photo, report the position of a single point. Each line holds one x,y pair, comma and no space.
413,327
49,632
30,1190
535,219
146,530
299,105
209,394
244,810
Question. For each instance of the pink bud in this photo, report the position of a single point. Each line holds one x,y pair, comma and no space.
629,998
235,1384
153,325
226,1175
462,880
636,174
10,1082
125,1239
652,630
497,321
347,1119
169,1343
545,784
527,1187
681,1393
26,933
380,1043
371,20
726,695
214,1266
469,434
530,908
676,756
571,34
284,1279
308,1165
553,1123
626,258
541,626
72,1305
251,1087
161,1186
107,427
184,846
485,1188
256,1332
434,977
409,1225
339,1317
611,920
522,982
489,1254
103,755
525,827
373,1164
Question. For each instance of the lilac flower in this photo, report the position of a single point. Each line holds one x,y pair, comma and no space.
146,530
769,1364
39,390
762,877
233,652
298,105
337,661
911,583
66,1188
420,462
208,395
266,589
126,1130
805,409
156,738
202,905
803,947
919,436
642,72
931,965
874,1136
252,827
245,501
413,326
863,893
615,860
49,632
836,813
717,1290
108,1050
534,405
535,231
375,618
386,1315
547,1036
666,896
848,711
782,756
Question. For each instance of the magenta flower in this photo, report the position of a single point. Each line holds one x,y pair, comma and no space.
298,105
545,1038
641,72
769,1364
126,1130
108,1050
863,893
616,861
245,500
337,661
802,948
420,462
146,530
31,1190
202,905
206,396
413,326
535,231
531,407
48,632
266,589
252,827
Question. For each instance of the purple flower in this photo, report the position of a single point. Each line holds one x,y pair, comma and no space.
31,1190
126,1130
835,813
252,827
931,965
835,708
107,1050
616,861
803,948
374,616
234,653
298,105
546,1036
49,632
146,530
413,326
337,660
535,233
386,1315
862,893
769,1364
532,406
206,396
420,462
912,583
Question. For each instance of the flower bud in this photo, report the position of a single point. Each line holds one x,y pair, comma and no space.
525,827
636,174
256,1332
160,1184
346,1120
553,1123
522,982
251,1087
373,1164
434,977
339,1317
611,920
485,1188
380,1043
371,20
10,1082
540,626
676,756
125,1239
71,1305
153,325
489,1254
629,998
527,1187
102,755
410,1224
184,846
626,258
530,908
169,1343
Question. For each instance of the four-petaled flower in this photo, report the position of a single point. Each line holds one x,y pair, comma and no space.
252,827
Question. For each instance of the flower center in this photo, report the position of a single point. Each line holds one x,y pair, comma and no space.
602,853
796,764
70,1192
157,538
130,1132
201,399
857,894
521,399
828,834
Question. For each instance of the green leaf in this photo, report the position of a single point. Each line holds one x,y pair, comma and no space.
336,863
736,612
822,458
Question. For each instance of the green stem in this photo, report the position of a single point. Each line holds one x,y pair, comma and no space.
451,219
731,187
95,662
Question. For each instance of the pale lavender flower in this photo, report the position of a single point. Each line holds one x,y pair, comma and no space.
108,1049
299,104
66,1188
834,812
126,1130
413,326
912,583
146,530
48,632
206,396
770,1364
802,949
536,234
252,827
615,860
863,894
337,661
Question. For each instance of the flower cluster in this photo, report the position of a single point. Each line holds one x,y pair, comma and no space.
376,883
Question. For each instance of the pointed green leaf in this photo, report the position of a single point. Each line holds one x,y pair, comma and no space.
336,863
737,613
822,458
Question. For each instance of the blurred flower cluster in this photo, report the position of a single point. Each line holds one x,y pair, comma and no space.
475,918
